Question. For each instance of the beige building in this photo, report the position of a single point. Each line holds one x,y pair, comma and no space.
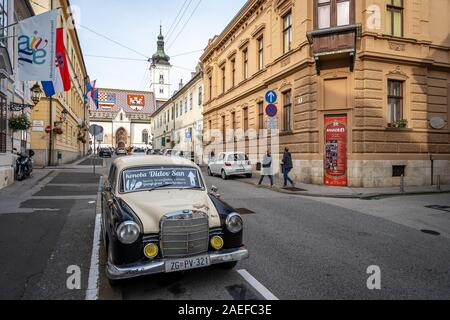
179,122
65,112
363,86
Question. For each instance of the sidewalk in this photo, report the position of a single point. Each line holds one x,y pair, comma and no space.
341,192
86,162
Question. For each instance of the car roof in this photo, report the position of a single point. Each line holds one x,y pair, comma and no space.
143,161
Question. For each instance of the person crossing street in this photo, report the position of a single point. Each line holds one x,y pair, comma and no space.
287,167
266,169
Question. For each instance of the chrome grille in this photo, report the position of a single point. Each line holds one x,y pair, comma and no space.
184,233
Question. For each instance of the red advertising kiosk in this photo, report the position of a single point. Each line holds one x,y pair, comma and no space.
336,150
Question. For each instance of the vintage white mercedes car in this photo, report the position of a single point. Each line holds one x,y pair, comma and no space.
158,217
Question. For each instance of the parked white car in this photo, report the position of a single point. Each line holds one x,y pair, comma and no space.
228,164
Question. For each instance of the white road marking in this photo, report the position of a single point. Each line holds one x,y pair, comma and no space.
257,285
92,290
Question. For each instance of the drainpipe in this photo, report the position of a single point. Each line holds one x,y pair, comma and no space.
432,167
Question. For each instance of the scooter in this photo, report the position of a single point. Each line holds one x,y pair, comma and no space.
24,165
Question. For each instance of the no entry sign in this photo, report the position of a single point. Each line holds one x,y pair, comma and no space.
271,110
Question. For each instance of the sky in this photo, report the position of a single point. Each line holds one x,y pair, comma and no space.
135,24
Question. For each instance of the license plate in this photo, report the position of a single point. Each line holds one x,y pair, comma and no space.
187,264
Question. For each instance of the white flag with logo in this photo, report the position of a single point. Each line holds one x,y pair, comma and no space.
37,47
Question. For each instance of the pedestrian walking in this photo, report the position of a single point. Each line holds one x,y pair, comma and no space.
266,169
287,167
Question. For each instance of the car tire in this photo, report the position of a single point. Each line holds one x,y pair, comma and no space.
210,172
228,265
224,175
249,176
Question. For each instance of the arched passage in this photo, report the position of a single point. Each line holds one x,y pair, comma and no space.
121,138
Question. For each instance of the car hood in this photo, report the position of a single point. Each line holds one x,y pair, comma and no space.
151,206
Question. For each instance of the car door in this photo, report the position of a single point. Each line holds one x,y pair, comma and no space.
220,163
214,164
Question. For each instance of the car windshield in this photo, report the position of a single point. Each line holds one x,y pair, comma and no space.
152,178
237,157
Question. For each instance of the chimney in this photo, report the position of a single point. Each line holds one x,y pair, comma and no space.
180,86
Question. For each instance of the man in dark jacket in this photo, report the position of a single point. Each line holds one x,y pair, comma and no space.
287,167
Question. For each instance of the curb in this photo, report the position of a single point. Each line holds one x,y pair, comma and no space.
360,196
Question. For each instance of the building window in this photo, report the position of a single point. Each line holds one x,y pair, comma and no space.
161,79
223,79
181,108
287,111
394,18
210,86
161,90
145,136
245,120
261,115
233,73
3,124
245,59
287,32
173,113
334,13
185,105
176,110
260,53
200,95
224,128
191,101
395,100
4,22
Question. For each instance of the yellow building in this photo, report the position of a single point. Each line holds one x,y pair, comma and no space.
66,112
363,86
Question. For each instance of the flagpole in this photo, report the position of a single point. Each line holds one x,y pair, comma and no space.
50,144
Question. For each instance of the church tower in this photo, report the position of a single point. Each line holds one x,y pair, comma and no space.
160,71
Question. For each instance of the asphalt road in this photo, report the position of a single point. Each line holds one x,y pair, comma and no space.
301,248
314,248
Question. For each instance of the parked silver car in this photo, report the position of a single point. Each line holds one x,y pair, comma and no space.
230,164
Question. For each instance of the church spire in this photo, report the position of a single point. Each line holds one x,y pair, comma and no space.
160,57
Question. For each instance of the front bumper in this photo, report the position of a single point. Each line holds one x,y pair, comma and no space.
154,267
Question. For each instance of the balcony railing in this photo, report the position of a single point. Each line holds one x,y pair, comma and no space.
334,42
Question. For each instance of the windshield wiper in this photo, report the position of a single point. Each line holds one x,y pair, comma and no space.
161,186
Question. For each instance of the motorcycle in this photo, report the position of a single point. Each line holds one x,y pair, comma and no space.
24,165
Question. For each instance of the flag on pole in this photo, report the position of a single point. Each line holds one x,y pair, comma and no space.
36,47
62,75
95,98
90,86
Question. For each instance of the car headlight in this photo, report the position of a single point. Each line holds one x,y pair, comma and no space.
234,223
128,232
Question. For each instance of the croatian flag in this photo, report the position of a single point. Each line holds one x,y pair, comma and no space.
62,75
90,89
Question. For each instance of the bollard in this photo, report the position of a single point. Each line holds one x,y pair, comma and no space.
402,184
438,183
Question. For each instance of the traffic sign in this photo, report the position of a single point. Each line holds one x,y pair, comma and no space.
271,96
48,129
95,130
272,124
271,110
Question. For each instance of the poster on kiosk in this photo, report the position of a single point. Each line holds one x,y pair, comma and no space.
336,150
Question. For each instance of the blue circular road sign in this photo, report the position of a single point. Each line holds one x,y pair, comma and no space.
271,110
271,96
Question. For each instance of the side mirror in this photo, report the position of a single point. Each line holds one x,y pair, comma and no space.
214,189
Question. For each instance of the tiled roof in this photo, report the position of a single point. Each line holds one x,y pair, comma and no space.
121,101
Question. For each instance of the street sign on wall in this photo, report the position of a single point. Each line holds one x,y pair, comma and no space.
272,124
271,110
271,96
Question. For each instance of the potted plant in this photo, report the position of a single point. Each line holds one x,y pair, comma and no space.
21,122
402,123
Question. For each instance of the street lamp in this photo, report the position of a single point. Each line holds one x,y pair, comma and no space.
63,117
36,93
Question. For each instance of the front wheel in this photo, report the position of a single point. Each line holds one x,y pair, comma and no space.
210,172
20,175
224,175
248,176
